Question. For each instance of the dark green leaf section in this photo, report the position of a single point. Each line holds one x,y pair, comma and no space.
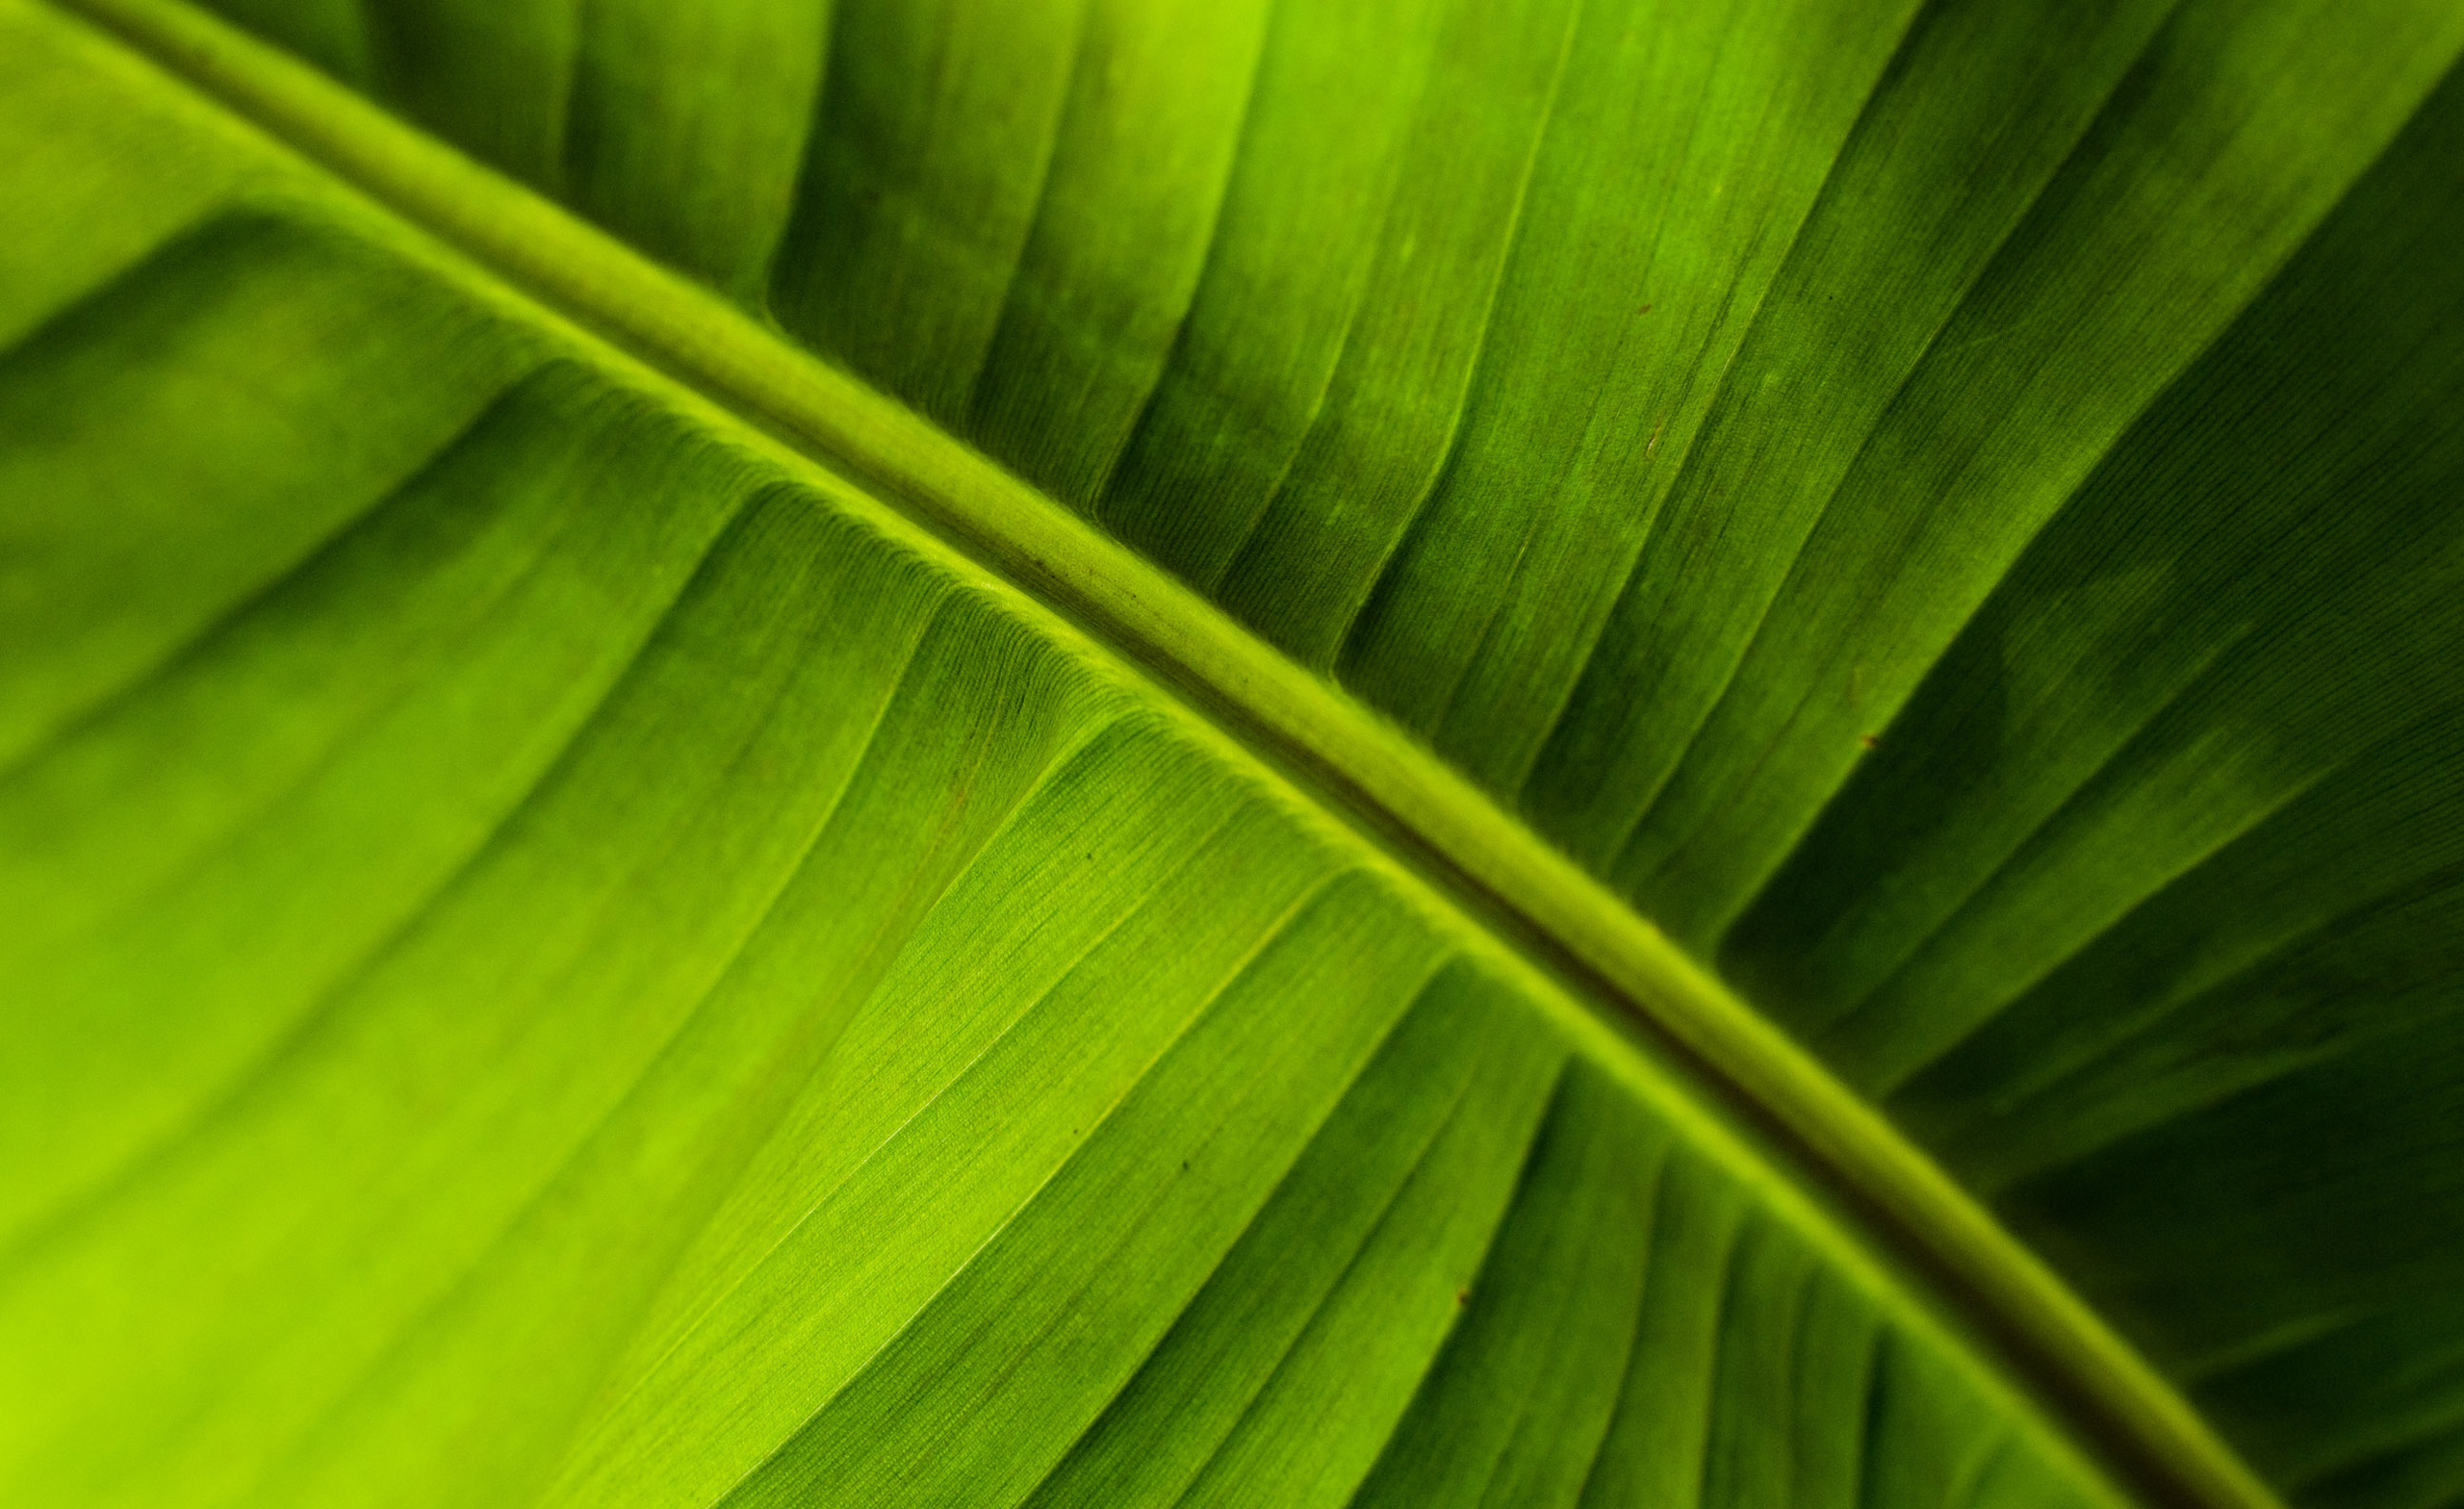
561,955
2146,912
1952,509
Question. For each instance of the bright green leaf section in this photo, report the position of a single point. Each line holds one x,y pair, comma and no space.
1949,508
562,954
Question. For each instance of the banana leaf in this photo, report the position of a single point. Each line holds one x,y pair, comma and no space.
1035,752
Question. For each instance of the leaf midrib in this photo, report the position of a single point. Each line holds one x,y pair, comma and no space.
1396,794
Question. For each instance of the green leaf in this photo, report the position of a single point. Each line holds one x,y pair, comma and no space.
1283,752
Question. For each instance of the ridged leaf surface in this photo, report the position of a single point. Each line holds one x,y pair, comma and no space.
600,915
